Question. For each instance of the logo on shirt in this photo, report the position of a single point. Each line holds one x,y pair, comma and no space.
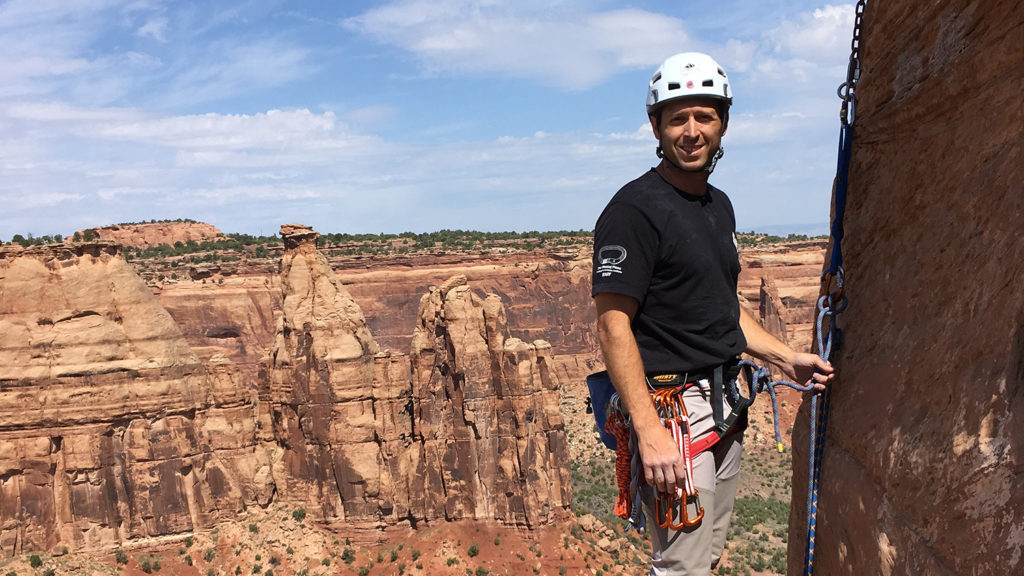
608,259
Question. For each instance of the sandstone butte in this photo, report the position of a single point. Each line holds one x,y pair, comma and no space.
113,429
154,233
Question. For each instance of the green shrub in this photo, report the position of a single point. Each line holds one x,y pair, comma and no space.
210,554
35,561
254,528
299,514
473,550
348,555
120,556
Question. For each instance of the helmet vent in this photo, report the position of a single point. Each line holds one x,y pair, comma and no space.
673,86
721,72
708,83
656,78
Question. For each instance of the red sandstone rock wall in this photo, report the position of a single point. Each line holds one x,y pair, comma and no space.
547,296
97,394
923,468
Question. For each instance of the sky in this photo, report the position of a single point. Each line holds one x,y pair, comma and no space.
408,115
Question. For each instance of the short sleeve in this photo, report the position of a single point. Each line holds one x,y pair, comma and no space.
625,251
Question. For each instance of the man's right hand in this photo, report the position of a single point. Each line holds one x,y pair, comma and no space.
663,464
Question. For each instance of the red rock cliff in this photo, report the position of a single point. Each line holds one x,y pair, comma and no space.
113,429
922,469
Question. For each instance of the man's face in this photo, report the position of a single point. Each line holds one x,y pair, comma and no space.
690,132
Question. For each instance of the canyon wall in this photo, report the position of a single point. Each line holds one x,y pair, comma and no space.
112,428
922,471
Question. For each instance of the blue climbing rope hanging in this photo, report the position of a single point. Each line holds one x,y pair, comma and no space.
832,299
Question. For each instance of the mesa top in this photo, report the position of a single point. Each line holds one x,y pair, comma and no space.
676,255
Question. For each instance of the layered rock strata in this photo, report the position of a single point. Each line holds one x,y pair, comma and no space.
113,429
98,398
922,468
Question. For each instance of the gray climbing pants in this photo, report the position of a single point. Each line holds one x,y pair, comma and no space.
694,551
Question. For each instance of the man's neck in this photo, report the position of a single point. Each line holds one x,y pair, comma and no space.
693,183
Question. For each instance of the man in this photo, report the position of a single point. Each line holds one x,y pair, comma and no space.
664,283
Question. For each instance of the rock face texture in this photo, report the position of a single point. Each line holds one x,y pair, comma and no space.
546,296
922,469
112,428
475,433
98,393
487,410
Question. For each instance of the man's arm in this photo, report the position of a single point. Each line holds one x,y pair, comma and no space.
802,367
662,462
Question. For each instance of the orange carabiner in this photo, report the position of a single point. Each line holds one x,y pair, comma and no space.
666,520
685,505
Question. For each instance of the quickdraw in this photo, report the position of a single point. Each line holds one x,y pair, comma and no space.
672,411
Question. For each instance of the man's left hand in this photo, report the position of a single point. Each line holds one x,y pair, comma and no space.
806,368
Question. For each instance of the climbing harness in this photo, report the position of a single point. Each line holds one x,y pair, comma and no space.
672,511
832,299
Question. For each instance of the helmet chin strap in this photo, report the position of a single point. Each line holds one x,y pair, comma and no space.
709,167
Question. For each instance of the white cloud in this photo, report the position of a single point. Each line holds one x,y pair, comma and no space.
155,28
229,68
226,131
554,45
821,37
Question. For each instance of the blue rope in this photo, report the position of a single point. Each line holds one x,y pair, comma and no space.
831,302
759,379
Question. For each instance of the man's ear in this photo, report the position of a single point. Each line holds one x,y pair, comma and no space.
655,127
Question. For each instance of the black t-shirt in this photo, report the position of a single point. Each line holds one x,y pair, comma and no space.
676,254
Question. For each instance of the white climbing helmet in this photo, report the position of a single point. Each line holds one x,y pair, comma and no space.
687,75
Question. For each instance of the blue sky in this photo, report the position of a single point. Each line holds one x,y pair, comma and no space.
410,115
